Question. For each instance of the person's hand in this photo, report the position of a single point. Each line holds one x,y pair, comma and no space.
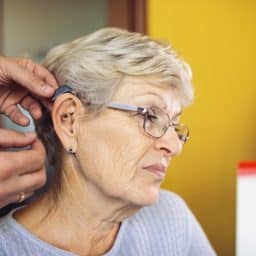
20,172
26,83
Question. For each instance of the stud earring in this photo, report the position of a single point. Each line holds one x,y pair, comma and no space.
71,150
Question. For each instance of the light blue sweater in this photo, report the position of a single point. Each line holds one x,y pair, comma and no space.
167,228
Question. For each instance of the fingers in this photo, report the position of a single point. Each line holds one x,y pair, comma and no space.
10,98
34,83
14,198
33,78
45,75
8,200
32,106
21,171
22,162
22,183
39,71
9,138
15,114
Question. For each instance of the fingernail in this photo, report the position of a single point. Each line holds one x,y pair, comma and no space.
23,121
30,135
47,89
36,113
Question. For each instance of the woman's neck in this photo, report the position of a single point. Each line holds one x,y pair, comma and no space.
85,221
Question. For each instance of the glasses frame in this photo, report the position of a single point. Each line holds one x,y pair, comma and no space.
145,112
124,107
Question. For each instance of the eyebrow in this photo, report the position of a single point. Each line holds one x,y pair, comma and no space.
161,98
154,94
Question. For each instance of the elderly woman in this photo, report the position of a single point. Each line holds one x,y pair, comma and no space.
112,131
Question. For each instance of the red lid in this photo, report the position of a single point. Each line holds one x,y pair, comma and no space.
247,168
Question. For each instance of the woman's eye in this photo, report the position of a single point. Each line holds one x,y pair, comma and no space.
152,118
151,114
151,111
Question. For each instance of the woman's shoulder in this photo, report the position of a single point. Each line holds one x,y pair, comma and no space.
16,240
170,211
6,233
170,204
170,199
5,223
171,221
163,227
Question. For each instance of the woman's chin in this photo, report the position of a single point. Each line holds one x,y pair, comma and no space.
140,195
147,197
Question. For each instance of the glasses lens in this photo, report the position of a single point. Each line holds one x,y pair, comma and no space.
156,122
182,132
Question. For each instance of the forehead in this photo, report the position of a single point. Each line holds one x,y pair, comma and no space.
135,90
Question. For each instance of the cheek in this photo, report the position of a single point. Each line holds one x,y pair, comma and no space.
111,154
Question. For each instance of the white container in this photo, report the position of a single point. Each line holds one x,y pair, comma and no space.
246,210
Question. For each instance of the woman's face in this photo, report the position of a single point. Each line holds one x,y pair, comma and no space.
117,156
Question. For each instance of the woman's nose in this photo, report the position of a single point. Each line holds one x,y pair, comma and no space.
169,143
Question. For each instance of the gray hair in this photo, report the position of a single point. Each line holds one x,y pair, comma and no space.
93,67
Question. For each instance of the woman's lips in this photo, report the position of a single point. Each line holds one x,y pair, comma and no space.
158,169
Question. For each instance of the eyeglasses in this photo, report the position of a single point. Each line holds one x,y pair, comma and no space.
156,121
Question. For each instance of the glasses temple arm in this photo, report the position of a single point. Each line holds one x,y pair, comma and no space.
127,107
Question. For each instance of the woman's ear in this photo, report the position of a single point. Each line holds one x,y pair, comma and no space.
66,110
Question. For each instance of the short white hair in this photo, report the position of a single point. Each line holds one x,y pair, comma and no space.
94,65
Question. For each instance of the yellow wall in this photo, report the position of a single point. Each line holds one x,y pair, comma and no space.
218,39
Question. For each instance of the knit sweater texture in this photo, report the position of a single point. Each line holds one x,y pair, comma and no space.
167,228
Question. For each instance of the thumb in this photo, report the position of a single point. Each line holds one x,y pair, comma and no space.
9,138
27,79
